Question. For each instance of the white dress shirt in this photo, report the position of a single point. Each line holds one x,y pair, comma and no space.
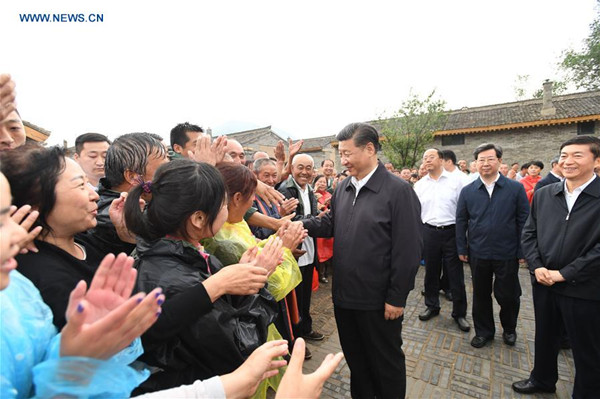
308,244
358,184
438,198
490,187
572,197
461,176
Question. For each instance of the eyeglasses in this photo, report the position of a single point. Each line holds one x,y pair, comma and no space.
487,160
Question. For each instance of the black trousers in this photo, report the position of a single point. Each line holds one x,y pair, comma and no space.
303,295
438,245
581,318
503,275
373,350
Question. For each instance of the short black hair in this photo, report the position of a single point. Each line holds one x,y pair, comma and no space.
179,133
325,160
130,151
89,138
513,164
526,165
449,155
361,133
439,152
539,164
593,142
488,146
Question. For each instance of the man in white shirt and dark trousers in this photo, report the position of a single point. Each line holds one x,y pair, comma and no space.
298,186
438,193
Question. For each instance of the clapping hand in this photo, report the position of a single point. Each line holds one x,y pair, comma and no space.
7,96
25,218
292,234
207,152
104,320
271,255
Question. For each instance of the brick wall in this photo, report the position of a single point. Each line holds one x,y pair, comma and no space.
520,145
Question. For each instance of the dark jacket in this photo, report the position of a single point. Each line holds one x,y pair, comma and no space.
194,339
490,228
104,236
55,273
262,207
570,242
549,179
378,241
289,190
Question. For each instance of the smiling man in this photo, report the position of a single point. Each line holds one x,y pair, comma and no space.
374,218
90,154
561,242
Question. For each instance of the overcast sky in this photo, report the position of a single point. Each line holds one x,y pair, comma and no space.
306,68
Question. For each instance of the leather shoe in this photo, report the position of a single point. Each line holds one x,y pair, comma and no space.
314,336
429,313
527,386
463,324
448,296
509,338
479,342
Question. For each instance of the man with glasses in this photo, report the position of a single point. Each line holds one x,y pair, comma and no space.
438,192
490,216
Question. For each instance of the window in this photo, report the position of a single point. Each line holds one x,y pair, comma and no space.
586,127
455,139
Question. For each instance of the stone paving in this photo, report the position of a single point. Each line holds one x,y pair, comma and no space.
440,362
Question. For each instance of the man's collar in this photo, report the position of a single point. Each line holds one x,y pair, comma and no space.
376,180
444,173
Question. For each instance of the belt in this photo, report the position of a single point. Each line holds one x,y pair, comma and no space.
447,227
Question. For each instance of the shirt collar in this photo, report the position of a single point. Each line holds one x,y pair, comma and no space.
580,188
445,173
365,179
494,182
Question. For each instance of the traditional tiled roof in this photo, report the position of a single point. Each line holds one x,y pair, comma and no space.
317,142
36,133
247,135
570,108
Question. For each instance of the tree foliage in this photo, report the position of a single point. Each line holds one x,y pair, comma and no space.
583,68
409,130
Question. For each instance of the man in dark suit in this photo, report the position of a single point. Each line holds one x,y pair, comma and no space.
375,219
490,215
554,176
561,242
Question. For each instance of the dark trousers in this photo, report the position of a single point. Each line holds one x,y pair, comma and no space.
373,350
303,294
503,275
438,245
581,318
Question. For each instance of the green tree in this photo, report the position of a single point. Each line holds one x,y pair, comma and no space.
583,68
408,131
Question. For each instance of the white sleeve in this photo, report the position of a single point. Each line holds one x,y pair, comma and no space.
208,389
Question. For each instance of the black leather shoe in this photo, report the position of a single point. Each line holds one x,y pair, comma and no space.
314,336
509,338
527,386
429,313
463,324
479,342
448,296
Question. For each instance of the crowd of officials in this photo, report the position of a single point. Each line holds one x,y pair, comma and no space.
184,269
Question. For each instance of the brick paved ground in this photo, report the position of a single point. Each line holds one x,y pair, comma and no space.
440,362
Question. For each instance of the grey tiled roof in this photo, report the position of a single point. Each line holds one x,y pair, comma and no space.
520,112
37,128
247,135
319,142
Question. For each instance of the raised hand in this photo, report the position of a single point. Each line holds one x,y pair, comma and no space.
271,255
292,234
294,384
25,218
242,383
288,206
104,320
269,194
238,279
205,151
7,96
294,147
280,152
116,212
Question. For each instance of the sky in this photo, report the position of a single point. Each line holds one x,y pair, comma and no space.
305,68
